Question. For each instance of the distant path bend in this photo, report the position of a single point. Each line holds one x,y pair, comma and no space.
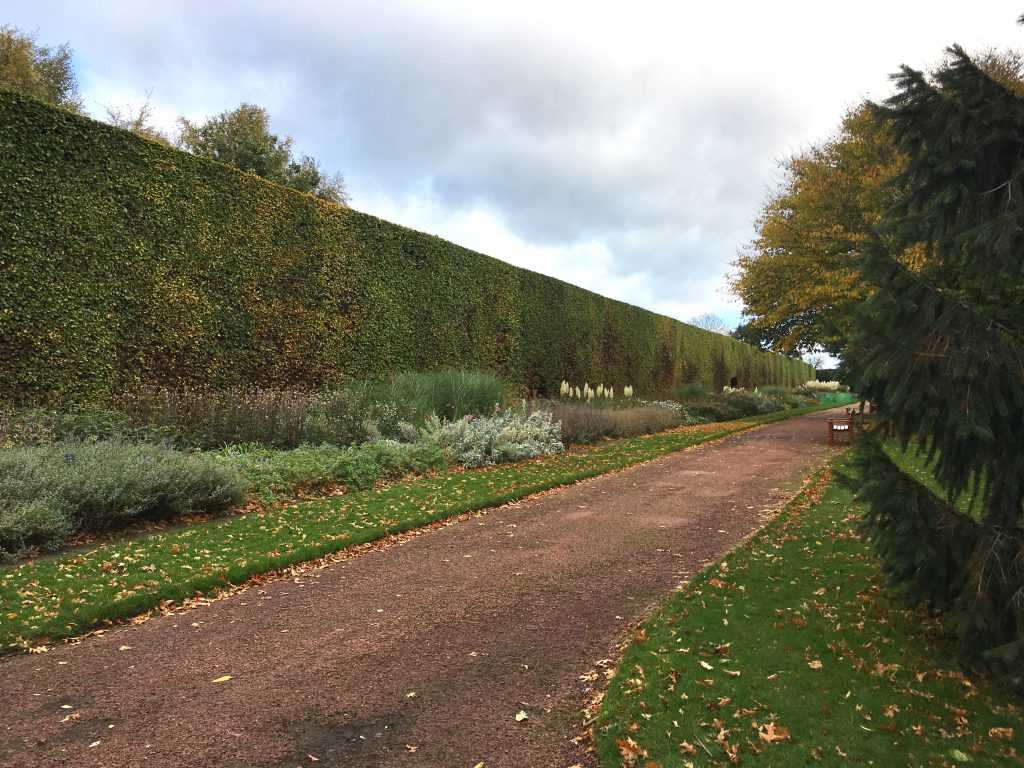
417,655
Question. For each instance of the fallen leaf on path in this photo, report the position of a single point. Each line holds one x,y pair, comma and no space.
410,748
521,715
221,679
411,695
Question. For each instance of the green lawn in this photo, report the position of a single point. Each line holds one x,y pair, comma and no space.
64,596
914,463
788,652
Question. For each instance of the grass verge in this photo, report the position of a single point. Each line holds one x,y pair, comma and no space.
61,597
787,653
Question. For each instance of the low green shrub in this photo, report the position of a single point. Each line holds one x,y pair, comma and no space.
48,493
28,525
708,412
512,435
744,403
584,424
270,474
25,426
769,390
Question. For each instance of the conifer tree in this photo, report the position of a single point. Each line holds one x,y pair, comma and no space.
940,346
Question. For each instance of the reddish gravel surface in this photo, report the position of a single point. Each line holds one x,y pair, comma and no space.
419,654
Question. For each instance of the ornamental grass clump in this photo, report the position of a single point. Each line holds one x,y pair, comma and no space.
21,425
275,418
451,393
814,387
588,393
50,493
691,392
582,425
511,435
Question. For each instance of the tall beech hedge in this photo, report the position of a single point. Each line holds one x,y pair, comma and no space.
124,262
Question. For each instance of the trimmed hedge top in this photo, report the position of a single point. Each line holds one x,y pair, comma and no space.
125,262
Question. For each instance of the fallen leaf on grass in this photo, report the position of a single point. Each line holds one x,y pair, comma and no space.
1005,734
814,664
772,733
631,751
222,679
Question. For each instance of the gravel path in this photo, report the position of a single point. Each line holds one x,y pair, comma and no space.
418,654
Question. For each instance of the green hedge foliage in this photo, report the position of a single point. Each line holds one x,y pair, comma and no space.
124,262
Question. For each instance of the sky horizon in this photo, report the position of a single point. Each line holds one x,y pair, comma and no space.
625,152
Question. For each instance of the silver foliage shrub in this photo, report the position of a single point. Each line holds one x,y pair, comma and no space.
512,435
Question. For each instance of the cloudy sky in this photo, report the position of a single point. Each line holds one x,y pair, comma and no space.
624,147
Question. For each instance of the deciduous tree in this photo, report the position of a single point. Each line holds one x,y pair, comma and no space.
709,321
242,138
138,121
799,279
38,71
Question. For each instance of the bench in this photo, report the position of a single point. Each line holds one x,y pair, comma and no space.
840,426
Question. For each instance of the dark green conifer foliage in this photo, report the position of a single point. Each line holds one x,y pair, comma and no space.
940,347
